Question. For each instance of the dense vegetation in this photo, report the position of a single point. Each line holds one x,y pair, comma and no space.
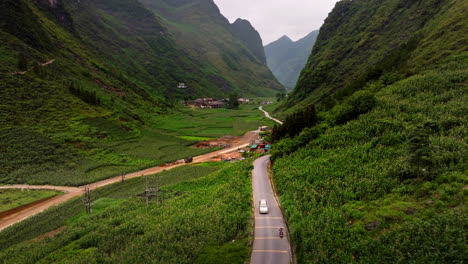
365,39
206,216
294,123
382,176
389,186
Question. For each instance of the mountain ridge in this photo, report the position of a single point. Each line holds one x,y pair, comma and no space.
246,32
229,60
379,34
286,58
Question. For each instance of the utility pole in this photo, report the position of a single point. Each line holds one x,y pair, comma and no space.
123,173
87,199
152,189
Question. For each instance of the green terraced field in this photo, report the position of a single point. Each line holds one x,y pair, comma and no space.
12,198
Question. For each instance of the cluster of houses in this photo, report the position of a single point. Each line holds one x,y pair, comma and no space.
260,146
210,103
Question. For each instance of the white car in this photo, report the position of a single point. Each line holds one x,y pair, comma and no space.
263,207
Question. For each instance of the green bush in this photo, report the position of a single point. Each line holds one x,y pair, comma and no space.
359,103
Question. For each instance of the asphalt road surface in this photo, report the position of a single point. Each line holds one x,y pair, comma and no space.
268,247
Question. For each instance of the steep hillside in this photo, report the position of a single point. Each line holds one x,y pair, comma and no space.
287,58
229,53
247,33
361,40
381,175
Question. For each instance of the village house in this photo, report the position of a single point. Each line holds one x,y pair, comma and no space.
206,103
244,100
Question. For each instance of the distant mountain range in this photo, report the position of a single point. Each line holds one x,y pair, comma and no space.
287,58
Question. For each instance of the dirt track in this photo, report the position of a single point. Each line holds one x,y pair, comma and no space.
71,192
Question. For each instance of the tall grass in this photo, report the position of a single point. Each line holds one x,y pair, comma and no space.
59,216
355,195
210,215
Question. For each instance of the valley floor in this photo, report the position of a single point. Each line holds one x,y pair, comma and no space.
72,192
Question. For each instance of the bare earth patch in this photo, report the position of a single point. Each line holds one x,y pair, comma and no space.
223,142
49,234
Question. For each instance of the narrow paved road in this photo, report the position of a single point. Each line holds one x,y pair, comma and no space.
268,247
71,192
268,115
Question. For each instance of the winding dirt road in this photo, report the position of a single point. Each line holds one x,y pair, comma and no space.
268,116
71,192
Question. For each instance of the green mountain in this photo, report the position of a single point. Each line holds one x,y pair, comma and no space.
247,33
378,173
230,53
361,41
81,78
287,58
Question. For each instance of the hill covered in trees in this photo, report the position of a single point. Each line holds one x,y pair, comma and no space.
381,176
360,41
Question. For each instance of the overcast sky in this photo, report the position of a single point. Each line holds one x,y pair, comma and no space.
275,18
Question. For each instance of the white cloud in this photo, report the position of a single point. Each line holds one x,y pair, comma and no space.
275,18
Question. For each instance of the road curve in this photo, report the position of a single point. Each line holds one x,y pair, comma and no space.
268,247
268,115
71,192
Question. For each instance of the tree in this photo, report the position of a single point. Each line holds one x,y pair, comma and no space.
233,102
280,97
23,62
295,123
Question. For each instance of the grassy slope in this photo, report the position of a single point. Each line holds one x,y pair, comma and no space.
356,194
12,198
133,39
209,216
44,128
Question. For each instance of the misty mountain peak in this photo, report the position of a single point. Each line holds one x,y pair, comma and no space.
286,58
284,38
